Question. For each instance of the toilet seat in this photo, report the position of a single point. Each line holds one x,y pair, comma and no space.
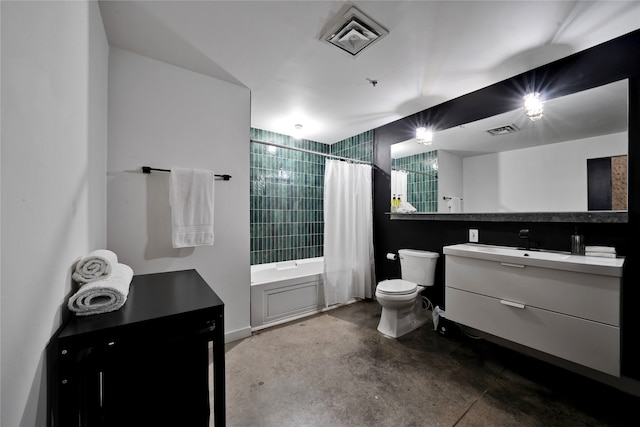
396,287
401,307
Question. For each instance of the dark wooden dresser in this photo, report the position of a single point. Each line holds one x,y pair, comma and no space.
146,364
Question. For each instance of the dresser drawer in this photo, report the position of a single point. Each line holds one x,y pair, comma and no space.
588,296
581,341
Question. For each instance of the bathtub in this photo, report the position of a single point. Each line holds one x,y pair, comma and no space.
285,291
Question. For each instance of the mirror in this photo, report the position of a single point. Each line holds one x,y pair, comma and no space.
508,163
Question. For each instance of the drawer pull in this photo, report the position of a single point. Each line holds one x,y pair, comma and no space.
512,304
508,264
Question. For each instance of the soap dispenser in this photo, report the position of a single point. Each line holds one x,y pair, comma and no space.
577,243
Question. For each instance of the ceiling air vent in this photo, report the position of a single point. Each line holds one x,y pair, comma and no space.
353,32
503,130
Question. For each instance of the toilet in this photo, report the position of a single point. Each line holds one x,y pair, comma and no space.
402,310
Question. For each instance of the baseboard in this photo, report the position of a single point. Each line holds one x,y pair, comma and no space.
236,335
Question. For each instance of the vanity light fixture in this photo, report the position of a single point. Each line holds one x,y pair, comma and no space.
424,136
533,106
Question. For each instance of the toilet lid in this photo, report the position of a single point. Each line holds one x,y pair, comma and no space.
396,287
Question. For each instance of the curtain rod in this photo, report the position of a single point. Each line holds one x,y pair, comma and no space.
346,159
148,169
431,174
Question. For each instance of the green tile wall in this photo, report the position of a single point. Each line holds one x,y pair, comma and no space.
286,206
422,187
359,147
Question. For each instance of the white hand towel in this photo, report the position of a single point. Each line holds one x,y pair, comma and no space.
96,265
103,296
455,204
191,195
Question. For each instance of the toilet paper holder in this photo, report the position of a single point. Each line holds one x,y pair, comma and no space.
391,256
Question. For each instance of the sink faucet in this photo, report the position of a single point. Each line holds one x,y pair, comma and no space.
524,234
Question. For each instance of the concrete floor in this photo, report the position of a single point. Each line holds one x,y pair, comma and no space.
336,369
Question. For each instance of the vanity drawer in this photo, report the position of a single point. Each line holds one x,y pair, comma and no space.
588,296
581,341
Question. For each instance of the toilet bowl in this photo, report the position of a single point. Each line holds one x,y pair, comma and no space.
402,310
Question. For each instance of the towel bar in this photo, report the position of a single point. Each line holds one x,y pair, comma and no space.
148,169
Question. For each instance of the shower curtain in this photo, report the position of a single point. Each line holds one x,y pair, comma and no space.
348,232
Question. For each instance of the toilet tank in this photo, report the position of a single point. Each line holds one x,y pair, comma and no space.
418,266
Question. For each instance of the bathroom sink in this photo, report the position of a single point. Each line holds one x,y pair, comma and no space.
517,252
539,258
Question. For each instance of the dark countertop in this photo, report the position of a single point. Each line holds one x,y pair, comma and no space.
151,296
579,217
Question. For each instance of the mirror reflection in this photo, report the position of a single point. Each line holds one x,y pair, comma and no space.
572,159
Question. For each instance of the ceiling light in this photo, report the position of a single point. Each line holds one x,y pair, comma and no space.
297,131
353,32
424,136
533,106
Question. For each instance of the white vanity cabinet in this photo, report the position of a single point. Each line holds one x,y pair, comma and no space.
564,305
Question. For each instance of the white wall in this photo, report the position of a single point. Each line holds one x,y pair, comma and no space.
54,113
164,116
546,178
449,179
0,215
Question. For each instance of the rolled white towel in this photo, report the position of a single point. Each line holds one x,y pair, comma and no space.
406,207
96,265
103,296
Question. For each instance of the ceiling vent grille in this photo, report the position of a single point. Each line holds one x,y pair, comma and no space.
503,130
354,32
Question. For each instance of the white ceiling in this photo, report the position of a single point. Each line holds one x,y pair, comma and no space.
435,51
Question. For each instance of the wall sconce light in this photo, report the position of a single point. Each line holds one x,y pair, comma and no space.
533,106
424,136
